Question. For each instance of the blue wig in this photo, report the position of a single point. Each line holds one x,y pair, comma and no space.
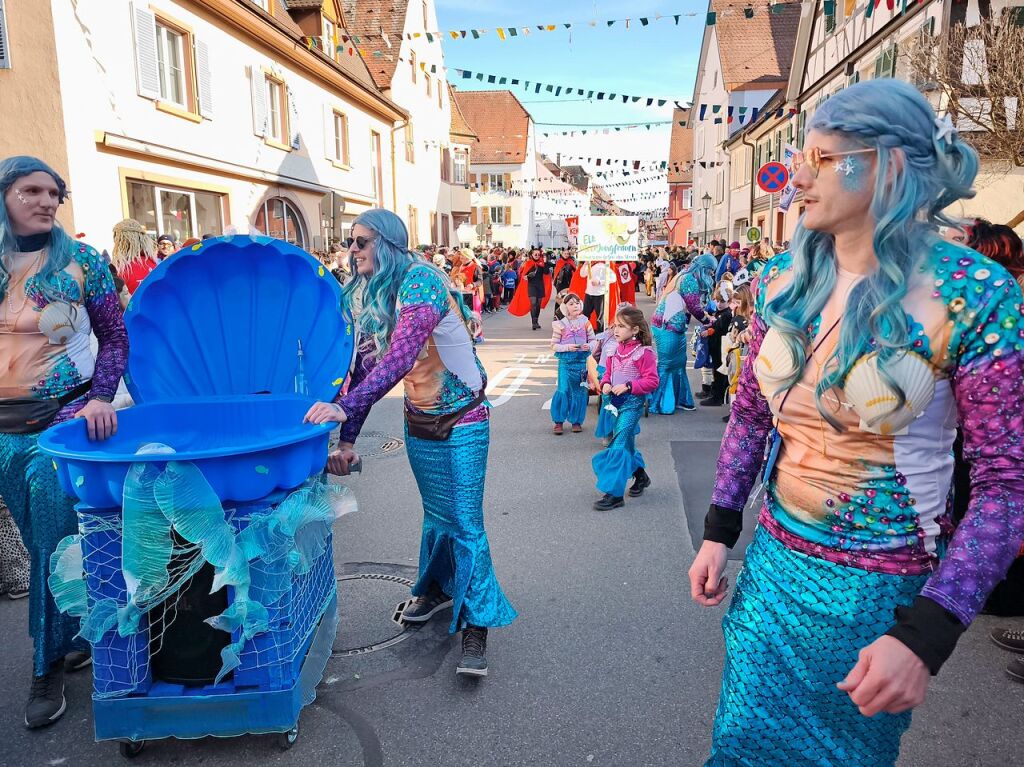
917,176
392,260
703,269
60,248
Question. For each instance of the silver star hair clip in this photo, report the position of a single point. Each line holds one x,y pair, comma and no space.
944,129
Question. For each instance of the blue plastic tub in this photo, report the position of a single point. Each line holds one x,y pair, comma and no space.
246,447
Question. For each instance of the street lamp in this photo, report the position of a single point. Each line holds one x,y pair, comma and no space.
706,203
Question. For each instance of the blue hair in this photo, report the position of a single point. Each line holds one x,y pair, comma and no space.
60,248
703,269
392,260
918,175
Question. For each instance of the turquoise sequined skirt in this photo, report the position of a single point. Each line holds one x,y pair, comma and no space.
673,387
454,553
616,464
794,629
571,397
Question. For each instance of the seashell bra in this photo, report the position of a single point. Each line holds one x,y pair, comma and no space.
866,391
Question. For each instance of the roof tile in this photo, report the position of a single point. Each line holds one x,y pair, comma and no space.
756,52
365,19
500,121
680,148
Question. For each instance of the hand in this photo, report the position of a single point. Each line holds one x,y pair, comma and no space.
325,412
888,677
606,389
341,461
100,419
744,337
620,389
708,585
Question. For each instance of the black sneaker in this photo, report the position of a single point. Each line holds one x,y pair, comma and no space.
46,702
711,402
609,502
76,661
641,481
474,652
1009,639
422,609
705,390
1016,669
688,408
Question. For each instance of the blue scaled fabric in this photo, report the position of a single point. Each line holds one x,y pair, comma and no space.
44,515
605,418
793,630
674,387
454,553
616,464
571,397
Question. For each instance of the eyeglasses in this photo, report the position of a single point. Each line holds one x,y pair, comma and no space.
360,242
814,157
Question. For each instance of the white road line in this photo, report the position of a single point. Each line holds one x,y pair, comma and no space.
542,358
522,374
546,405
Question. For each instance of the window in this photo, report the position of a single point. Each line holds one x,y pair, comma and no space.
720,186
277,110
5,52
376,175
440,96
498,216
426,17
341,138
460,168
330,41
171,60
264,4
410,145
429,86
885,64
279,219
688,199
446,165
414,227
496,182
412,65
830,16
801,123
180,212
445,230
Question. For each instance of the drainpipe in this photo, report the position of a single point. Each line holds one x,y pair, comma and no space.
394,168
753,173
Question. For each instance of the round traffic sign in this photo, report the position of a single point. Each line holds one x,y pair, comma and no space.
753,234
772,177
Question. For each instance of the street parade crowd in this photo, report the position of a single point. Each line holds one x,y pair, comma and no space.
849,365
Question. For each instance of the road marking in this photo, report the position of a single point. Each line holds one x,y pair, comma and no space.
522,374
543,358
546,405
520,359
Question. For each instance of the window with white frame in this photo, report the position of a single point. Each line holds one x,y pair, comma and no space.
460,167
280,219
429,86
277,110
330,45
498,216
688,198
341,138
412,65
720,185
496,182
410,143
376,169
5,49
172,57
426,16
179,212
264,4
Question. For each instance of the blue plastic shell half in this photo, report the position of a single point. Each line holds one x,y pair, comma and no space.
226,317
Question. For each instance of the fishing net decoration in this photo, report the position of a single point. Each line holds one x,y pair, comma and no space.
121,574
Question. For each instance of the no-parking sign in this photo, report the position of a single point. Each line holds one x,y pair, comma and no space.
772,177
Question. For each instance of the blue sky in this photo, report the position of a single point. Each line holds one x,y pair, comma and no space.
657,60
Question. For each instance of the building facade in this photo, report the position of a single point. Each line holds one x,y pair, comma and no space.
679,218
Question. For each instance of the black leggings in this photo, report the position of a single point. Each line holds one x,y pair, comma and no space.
594,304
535,302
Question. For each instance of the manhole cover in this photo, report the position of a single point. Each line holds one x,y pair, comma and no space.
367,613
374,444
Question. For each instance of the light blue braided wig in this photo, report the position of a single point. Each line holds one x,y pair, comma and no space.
392,260
61,246
703,270
892,117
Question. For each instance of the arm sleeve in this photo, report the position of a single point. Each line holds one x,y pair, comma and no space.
556,337
107,319
990,403
592,339
693,304
648,379
742,451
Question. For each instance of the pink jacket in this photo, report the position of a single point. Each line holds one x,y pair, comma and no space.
641,369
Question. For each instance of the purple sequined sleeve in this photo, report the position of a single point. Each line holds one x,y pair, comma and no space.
742,451
990,402
688,289
415,324
107,320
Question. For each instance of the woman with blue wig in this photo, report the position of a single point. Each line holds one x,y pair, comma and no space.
54,293
686,296
872,339
412,327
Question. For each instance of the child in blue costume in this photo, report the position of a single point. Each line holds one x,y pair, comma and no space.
572,340
606,346
631,375
412,328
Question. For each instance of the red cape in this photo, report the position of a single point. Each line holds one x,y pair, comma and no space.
579,287
519,306
627,288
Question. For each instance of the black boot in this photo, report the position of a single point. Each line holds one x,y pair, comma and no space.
717,396
609,502
641,481
705,390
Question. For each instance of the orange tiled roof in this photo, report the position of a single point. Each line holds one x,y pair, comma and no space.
501,123
364,20
460,125
756,53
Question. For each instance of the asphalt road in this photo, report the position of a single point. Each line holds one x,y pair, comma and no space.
609,663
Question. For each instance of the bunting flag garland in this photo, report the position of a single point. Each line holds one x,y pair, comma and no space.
567,90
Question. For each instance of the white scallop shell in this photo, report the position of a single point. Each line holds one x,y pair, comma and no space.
873,399
60,321
774,363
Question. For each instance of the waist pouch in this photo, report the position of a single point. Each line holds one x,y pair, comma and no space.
29,415
438,428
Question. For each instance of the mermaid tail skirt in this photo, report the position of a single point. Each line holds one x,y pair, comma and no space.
570,400
793,630
44,515
674,387
454,552
616,464
605,420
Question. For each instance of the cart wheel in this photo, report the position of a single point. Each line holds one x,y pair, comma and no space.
286,740
131,748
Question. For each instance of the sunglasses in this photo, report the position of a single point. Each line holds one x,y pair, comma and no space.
814,158
360,242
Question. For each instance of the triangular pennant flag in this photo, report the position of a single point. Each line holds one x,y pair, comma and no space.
515,82
610,23
567,26
676,17
466,74
551,27
454,34
502,80
491,78
644,22
513,32
526,30
558,91
480,76
662,102
650,101
501,33
476,34
430,37
716,108
703,111
710,21
550,88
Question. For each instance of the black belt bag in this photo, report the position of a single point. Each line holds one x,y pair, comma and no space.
438,428
29,415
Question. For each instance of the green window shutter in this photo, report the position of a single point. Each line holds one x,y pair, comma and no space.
830,16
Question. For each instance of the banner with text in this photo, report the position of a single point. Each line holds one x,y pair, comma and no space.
609,238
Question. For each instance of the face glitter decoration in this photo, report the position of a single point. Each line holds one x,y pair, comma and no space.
21,198
851,174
